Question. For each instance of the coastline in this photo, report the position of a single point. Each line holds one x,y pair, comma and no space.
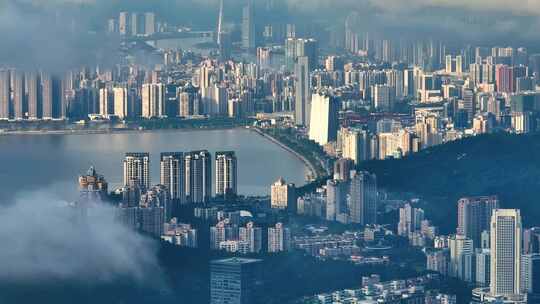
84,131
308,164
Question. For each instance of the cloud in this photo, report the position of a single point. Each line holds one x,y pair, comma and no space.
43,240
51,35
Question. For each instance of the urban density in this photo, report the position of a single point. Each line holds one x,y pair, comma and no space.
417,127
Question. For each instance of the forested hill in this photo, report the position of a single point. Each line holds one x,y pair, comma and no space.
502,164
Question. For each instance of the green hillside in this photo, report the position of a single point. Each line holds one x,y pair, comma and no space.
502,164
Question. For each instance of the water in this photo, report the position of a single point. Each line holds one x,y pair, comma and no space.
53,162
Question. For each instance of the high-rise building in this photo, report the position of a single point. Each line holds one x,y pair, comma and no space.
173,175
92,186
121,102
530,275
226,174
18,95
438,260
302,84
354,144
474,216
248,26
531,240
336,199
483,267
252,236
198,176
342,169
124,23
189,101
106,102
234,280
154,210
33,88
283,195
505,252
504,78
137,168
149,23
461,248
384,97
410,220
279,238
47,92
153,100
295,48
4,94
324,118
363,198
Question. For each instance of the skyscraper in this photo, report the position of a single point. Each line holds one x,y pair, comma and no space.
384,97
189,101
252,236
18,95
121,102
461,248
234,280
531,240
47,95
354,144
279,238
324,118
226,174
248,26
363,198
33,87
283,195
149,23
198,176
342,169
92,186
302,92
137,168
106,102
153,100
505,252
124,23
530,275
4,94
474,216
173,175
410,220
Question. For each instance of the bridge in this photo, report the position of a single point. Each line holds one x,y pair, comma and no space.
171,35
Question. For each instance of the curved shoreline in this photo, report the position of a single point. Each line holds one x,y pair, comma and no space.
306,162
312,171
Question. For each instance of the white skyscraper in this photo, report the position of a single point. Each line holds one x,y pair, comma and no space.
137,168
121,102
4,95
302,84
173,176
153,100
226,174
505,252
105,102
279,238
324,118
354,144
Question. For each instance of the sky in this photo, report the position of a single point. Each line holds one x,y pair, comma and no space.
54,34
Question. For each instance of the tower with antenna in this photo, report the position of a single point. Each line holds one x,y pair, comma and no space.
220,23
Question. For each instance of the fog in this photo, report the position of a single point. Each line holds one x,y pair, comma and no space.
51,35
63,34
42,239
